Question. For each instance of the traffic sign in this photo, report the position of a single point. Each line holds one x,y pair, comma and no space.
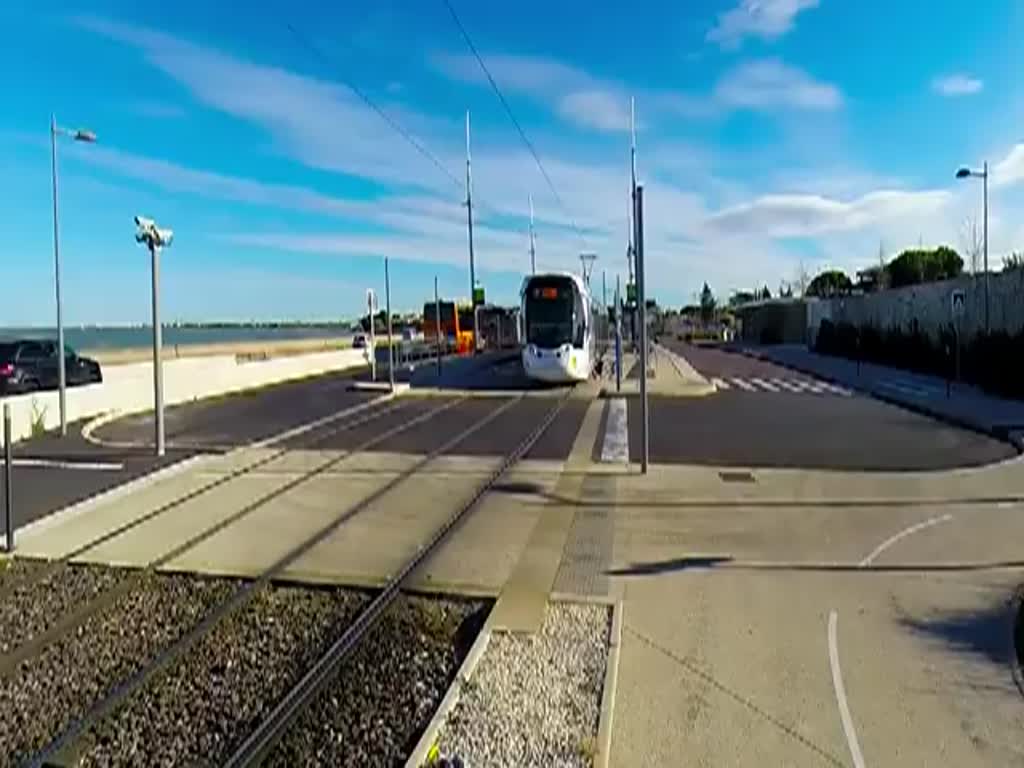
478,295
957,302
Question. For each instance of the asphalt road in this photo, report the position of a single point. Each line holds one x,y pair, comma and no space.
774,417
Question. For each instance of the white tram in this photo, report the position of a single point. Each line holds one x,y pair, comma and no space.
557,328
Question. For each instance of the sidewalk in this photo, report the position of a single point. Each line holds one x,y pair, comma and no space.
668,374
965,406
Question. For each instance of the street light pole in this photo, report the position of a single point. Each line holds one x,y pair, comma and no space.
158,369
469,217
965,173
61,372
984,178
89,137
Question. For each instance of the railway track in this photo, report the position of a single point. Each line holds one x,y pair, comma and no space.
78,615
260,742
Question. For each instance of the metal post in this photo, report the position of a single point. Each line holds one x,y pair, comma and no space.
533,242
469,215
984,178
158,369
387,308
618,337
437,325
61,372
373,339
641,298
8,480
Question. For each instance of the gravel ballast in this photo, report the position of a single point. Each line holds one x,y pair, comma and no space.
535,700
387,692
201,707
46,691
29,607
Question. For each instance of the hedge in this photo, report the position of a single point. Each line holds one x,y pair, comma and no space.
993,361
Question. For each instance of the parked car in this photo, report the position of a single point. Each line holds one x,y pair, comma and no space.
359,341
31,364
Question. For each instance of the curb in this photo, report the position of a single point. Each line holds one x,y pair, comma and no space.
1014,438
111,494
420,755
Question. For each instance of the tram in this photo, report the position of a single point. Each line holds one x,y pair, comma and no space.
557,328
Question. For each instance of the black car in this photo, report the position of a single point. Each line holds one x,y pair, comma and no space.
32,364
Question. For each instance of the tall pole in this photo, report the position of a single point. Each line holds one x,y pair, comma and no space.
469,215
158,371
618,336
437,325
387,308
533,243
641,298
61,373
8,480
984,178
632,179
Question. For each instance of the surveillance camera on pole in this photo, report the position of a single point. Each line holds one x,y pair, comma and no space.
155,238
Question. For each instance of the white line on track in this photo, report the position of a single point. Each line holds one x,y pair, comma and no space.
902,535
616,432
93,466
837,683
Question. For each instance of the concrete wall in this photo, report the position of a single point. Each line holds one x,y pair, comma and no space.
929,304
129,388
773,321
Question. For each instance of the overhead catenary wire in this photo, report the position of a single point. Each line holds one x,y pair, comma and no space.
395,125
512,118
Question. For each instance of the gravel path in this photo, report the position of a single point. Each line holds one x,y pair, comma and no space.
535,700
208,701
48,690
28,609
387,692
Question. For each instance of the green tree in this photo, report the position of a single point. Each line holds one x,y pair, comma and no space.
922,265
707,304
831,282
1014,261
740,297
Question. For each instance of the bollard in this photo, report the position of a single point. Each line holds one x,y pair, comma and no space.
8,479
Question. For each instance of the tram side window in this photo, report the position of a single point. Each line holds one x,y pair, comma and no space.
579,322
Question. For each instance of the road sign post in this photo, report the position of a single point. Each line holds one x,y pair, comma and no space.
8,480
371,301
437,326
642,306
387,309
957,307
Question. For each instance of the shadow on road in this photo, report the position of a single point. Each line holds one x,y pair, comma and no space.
727,562
669,566
987,633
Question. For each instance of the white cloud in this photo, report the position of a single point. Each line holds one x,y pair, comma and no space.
597,109
810,215
957,85
766,19
769,83
1009,170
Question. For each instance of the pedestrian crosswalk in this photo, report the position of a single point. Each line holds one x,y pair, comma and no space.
775,385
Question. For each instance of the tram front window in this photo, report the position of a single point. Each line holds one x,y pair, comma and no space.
551,318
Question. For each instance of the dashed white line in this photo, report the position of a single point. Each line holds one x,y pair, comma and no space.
744,385
785,384
837,683
901,535
616,433
765,385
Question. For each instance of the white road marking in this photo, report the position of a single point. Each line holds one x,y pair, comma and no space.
765,385
744,385
837,683
791,386
901,535
616,433
720,383
94,466
836,389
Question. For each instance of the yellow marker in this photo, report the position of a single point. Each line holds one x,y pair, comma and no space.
433,754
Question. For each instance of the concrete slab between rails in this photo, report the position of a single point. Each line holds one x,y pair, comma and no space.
520,608
425,750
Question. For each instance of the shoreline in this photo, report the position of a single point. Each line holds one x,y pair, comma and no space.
249,350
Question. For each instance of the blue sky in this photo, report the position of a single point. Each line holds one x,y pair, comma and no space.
773,136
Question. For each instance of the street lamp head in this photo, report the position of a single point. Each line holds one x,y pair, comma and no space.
87,136
963,173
